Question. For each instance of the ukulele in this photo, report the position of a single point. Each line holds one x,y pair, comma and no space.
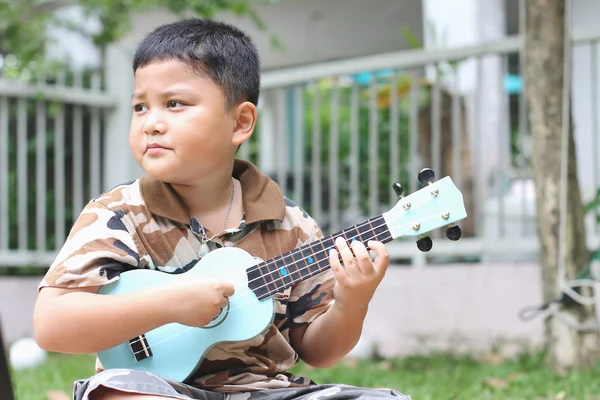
175,351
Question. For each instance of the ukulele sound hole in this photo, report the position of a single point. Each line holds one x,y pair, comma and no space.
218,320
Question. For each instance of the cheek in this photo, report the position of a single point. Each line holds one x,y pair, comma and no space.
134,138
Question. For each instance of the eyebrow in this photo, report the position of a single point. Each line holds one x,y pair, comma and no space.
168,93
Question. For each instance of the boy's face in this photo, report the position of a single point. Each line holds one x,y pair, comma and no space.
180,129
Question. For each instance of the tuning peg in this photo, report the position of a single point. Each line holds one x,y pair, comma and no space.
424,243
398,189
426,176
454,232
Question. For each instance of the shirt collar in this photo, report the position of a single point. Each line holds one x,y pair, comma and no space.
262,198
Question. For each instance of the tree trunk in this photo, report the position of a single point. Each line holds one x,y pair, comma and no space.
544,55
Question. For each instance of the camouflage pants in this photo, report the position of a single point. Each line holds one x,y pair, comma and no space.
144,383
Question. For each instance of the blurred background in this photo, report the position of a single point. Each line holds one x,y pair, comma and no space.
355,95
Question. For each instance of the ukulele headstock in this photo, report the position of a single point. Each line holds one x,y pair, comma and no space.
438,204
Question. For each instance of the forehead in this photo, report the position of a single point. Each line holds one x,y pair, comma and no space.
164,74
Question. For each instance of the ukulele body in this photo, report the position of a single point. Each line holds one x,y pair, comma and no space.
175,351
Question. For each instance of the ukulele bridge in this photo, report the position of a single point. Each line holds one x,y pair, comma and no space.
140,348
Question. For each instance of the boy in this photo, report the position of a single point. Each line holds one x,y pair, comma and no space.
194,103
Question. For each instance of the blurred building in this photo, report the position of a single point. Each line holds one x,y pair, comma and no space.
348,106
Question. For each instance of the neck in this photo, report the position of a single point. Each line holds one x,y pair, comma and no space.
208,196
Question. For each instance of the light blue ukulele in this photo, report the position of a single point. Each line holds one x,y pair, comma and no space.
175,351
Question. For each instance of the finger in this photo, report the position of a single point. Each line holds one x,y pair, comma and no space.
228,290
363,258
338,271
348,259
223,302
382,257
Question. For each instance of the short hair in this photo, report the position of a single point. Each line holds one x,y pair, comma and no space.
219,51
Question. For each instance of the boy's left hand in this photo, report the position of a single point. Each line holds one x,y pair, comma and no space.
359,276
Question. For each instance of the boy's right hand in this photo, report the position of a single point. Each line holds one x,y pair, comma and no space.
196,300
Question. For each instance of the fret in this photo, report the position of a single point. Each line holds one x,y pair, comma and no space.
271,276
366,231
297,265
327,244
311,260
351,234
257,281
282,270
381,230
375,229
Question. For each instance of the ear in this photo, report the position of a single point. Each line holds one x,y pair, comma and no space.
245,121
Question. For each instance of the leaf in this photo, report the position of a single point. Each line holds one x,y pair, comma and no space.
385,365
495,383
57,395
411,39
493,359
22,21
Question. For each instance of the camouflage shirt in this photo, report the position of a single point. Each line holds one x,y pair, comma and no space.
144,224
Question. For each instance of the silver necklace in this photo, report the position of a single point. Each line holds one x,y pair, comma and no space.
204,239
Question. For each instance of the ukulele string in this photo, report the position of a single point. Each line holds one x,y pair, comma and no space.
299,251
238,296
315,255
295,252
281,278
167,327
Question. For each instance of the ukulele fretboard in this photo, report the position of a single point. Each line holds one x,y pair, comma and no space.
273,276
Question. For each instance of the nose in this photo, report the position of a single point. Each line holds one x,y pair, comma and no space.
154,124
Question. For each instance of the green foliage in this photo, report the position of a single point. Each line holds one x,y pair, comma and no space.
382,113
57,374
593,206
23,23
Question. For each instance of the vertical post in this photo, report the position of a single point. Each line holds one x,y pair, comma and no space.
266,139
119,164
492,131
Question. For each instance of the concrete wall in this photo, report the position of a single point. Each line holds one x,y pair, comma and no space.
17,298
463,308
314,30
467,308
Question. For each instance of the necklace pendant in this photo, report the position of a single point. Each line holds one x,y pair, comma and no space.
204,249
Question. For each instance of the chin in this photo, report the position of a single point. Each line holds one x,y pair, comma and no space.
163,176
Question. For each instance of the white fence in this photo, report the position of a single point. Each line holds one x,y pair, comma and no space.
51,134
335,136
382,118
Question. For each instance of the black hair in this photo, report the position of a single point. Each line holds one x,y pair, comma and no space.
221,52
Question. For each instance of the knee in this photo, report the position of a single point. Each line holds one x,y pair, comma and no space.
104,393
122,384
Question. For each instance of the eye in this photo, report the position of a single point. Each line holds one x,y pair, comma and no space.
174,104
139,107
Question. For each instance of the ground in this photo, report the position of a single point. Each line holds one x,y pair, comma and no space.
437,377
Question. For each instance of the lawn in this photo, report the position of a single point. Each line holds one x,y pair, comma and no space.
424,378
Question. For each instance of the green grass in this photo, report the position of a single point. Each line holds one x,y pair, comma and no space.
435,377
58,373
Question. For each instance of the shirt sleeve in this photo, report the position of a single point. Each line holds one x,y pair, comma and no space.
313,296
98,248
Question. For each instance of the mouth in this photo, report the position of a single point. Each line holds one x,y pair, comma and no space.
154,148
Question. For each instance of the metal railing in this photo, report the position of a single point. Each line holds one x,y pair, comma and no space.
335,136
50,161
